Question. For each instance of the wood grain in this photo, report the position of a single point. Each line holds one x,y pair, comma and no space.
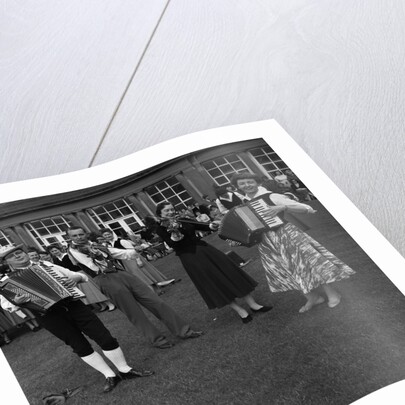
330,72
63,67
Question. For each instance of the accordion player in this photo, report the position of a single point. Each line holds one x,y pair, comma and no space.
44,285
246,223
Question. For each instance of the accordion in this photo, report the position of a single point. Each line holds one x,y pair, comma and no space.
246,223
45,286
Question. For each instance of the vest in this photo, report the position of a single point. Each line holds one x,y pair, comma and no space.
113,264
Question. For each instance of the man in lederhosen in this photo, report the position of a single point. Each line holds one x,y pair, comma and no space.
70,319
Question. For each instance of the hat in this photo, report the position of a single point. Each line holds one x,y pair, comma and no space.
6,250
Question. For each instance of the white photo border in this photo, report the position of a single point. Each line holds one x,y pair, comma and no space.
366,235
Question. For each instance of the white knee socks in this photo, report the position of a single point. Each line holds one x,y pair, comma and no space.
97,362
117,358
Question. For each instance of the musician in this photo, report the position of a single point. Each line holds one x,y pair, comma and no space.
93,295
218,280
71,320
139,267
292,259
125,290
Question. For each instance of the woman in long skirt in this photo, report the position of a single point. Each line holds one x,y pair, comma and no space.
218,280
292,259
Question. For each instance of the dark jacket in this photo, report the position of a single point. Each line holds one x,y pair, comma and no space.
189,242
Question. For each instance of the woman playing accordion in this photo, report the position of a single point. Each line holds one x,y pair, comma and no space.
292,259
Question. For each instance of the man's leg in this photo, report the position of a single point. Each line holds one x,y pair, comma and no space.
92,326
58,321
113,286
158,307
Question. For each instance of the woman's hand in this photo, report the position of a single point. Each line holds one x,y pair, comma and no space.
21,299
214,225
233,243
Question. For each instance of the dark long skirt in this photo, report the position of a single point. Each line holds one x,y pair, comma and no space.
218,280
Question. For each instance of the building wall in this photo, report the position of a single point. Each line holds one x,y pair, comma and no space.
192,172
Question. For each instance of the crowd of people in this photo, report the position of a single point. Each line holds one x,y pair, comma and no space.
116,272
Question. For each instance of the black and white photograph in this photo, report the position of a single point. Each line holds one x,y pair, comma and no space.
217,276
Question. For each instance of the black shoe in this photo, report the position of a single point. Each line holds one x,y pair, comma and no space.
136,374
262,309
247,319
110,383
194,334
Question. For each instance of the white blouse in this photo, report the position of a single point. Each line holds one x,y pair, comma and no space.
291,205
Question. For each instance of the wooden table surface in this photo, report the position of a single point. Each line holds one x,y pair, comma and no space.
85,82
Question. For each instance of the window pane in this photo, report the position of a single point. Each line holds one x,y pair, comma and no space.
126,211
175,200
161,186
105,217
120,203
215,172
167,193
134,227
158,198
227,169
172,181
109,207
177,188
222,180
209,165
268,159
238,166
115,214
99,210
42,231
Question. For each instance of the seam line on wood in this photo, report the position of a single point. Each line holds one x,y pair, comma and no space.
128,85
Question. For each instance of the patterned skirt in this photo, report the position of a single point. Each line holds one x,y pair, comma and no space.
294,261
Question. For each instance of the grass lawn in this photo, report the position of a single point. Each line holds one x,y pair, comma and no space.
325,356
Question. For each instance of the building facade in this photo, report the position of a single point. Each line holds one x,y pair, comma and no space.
123,205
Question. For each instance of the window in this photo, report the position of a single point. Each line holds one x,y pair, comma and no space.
48,230
4,240
222,169
117,215
268,159
170,190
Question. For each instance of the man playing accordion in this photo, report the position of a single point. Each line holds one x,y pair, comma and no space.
69,319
